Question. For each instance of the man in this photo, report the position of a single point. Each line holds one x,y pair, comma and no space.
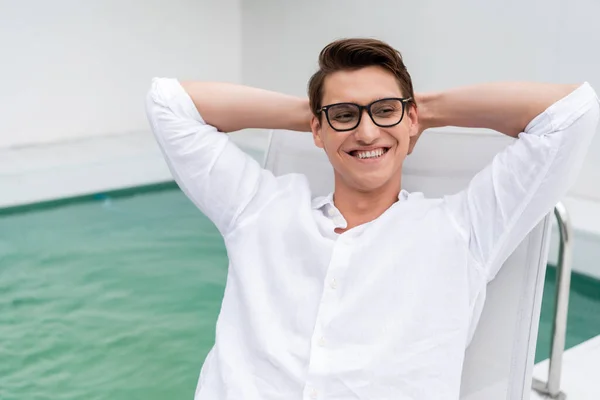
371,292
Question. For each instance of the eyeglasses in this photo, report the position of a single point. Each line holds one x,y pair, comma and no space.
384,113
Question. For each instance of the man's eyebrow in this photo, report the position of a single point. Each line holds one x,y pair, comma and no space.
391,96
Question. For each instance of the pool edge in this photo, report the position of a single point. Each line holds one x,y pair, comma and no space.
83,198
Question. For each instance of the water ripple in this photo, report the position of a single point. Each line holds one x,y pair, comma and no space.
108,301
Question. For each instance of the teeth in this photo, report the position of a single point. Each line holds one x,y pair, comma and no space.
370,154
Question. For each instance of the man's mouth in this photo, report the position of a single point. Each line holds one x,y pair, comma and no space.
369,154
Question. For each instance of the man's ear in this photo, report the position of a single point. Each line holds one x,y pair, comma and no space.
414,129
315,127
413,117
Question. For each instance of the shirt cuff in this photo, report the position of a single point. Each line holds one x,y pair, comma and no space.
169,93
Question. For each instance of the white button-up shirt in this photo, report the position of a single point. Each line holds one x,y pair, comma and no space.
384,310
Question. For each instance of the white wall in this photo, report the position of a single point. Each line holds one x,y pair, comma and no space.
71,69
444,44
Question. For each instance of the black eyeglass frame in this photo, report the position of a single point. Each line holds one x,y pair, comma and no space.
367,107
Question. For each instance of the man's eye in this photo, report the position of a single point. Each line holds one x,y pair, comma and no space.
343,117
384,111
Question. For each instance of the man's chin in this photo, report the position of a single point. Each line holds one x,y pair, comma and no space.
365,182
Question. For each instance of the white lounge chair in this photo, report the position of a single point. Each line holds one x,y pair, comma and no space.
499,360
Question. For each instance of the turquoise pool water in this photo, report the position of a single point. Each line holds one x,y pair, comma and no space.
117,299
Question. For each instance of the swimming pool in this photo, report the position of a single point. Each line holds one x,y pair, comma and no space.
117,297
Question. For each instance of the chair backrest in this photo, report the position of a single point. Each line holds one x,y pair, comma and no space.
499,360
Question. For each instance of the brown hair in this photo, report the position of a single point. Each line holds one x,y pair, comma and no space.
353,54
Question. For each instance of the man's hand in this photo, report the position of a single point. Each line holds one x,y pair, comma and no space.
422,112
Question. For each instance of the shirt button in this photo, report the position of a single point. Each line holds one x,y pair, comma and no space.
322,341
333,283
330,211
313,394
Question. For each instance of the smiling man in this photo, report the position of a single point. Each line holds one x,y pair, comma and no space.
371,292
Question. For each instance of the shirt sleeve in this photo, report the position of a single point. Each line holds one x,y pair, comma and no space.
523,183
218,177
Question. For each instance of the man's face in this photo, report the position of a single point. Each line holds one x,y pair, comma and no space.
363,86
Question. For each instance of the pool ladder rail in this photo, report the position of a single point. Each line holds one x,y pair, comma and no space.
551,388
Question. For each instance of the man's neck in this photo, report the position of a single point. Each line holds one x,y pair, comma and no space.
361,207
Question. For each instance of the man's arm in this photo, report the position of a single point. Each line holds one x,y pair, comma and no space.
230,107
554,124
504,107
188,122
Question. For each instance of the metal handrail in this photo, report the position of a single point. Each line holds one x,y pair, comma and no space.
561,307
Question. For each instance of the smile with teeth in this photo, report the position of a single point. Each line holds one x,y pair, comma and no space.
369,154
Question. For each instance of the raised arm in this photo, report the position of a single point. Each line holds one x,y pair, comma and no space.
554,125
505,107
188,122
230,107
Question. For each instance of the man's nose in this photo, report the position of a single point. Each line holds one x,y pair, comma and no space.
366,132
